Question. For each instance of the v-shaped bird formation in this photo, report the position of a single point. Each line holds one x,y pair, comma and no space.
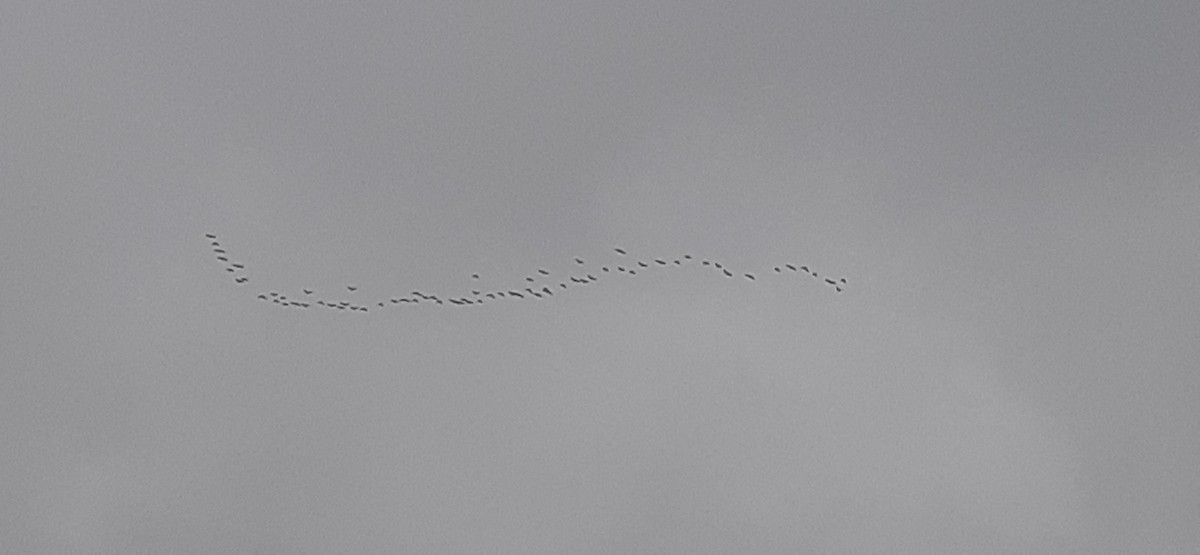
539,284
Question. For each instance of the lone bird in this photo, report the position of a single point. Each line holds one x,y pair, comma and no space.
728,273
620,251
210,236
352,288
546,290
777,269
238,265
529,279
830,281
643,264
262,297
242,279
805,268
222,251
790,267
543,272
474,276
660,261
578,260
749,276
308,291
222,259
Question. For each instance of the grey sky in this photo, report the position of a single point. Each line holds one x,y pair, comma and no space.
1012,190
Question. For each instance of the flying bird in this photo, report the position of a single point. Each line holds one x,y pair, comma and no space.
728,273
238,266
830,281
543,272
210,236
749,276
222,259
605,268
620,251
687,256
643,264
790,267
352,288
262,297
660,261
777,269
529,279
230,270
578,260
474,276
222,251
547,291
308,291
242,279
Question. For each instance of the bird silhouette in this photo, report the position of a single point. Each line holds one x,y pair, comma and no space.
222,259
543,272
262,297
749,276
830,281
238,266
777,269
222,251
578,260
620,251
308,291
728,273
643,264
474,276
352,288
605,268
547,291
660,261
529,279
790,267
210,236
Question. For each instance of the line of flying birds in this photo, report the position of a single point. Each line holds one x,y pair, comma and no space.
539,284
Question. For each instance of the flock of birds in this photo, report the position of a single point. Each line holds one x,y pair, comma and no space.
540,284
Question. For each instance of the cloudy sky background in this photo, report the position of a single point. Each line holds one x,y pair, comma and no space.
1011,189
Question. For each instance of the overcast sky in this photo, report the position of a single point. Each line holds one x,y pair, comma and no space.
1011,190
